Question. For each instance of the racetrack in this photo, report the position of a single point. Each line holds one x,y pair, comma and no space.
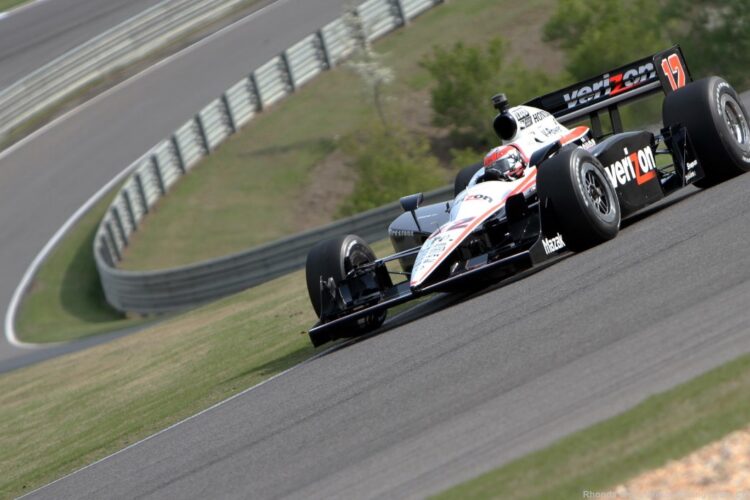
39,32
454,393
44,179
430,402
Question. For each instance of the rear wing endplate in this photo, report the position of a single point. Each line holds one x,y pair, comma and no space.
666,71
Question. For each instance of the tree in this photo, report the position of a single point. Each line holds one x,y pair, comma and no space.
389,163
602,35
367,63
715,35
466,77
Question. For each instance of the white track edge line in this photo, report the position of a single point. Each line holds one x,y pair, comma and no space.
20,8
10,315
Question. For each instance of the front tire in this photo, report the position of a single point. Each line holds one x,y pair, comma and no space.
718,124
574,186
334,259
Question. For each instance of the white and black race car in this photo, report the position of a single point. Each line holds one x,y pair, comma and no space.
548,190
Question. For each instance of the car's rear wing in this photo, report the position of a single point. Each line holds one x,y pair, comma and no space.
666,71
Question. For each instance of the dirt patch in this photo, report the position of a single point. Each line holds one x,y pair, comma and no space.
719,470
331,181
416,115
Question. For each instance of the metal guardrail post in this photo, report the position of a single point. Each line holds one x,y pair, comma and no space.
399,5
228,113
289,72
254,89
141,192
113,241
120,226
106,250
178,154
325,52
157,173
129,207
202,135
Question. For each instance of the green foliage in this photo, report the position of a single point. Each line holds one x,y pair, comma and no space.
463,157
599,36
715,35
467,77
389,164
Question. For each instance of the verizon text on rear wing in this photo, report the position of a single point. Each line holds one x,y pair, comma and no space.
665,71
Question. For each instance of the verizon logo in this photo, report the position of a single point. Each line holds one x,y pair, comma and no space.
639,166
611,85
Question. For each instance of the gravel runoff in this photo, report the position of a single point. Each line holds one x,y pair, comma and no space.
718,470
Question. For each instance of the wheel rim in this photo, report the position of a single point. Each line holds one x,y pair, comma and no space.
735,120
597,192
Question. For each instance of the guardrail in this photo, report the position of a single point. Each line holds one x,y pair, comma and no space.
112,49
159,169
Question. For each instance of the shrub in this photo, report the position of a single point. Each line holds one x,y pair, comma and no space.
389,164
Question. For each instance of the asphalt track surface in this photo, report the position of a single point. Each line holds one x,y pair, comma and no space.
429,402
45,179
451,394
36,34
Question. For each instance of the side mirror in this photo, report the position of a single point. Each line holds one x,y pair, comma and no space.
412,202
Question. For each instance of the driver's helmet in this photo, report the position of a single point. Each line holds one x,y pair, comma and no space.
508,167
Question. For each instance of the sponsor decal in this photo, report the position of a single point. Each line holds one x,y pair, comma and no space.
589,144
552,245
543,134
523,117
639,166
478,197
611,85
540,115
402,233
691,170
674,71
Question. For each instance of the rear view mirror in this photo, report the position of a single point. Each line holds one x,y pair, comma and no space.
412,202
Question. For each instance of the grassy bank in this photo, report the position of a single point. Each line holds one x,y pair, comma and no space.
66,300
6,5
274,177
62,414
664,427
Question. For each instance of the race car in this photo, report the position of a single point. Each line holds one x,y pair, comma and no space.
547,191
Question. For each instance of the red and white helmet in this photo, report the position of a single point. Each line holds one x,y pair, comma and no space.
508,166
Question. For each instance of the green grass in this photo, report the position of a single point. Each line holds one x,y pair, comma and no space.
66,300
6,5
664,427
254,183
65,413
62,414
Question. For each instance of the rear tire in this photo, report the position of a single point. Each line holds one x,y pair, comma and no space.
335,258
464,176
584,203
718,124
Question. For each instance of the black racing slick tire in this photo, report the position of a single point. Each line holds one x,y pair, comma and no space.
573,186
334,259
718,125
464,176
